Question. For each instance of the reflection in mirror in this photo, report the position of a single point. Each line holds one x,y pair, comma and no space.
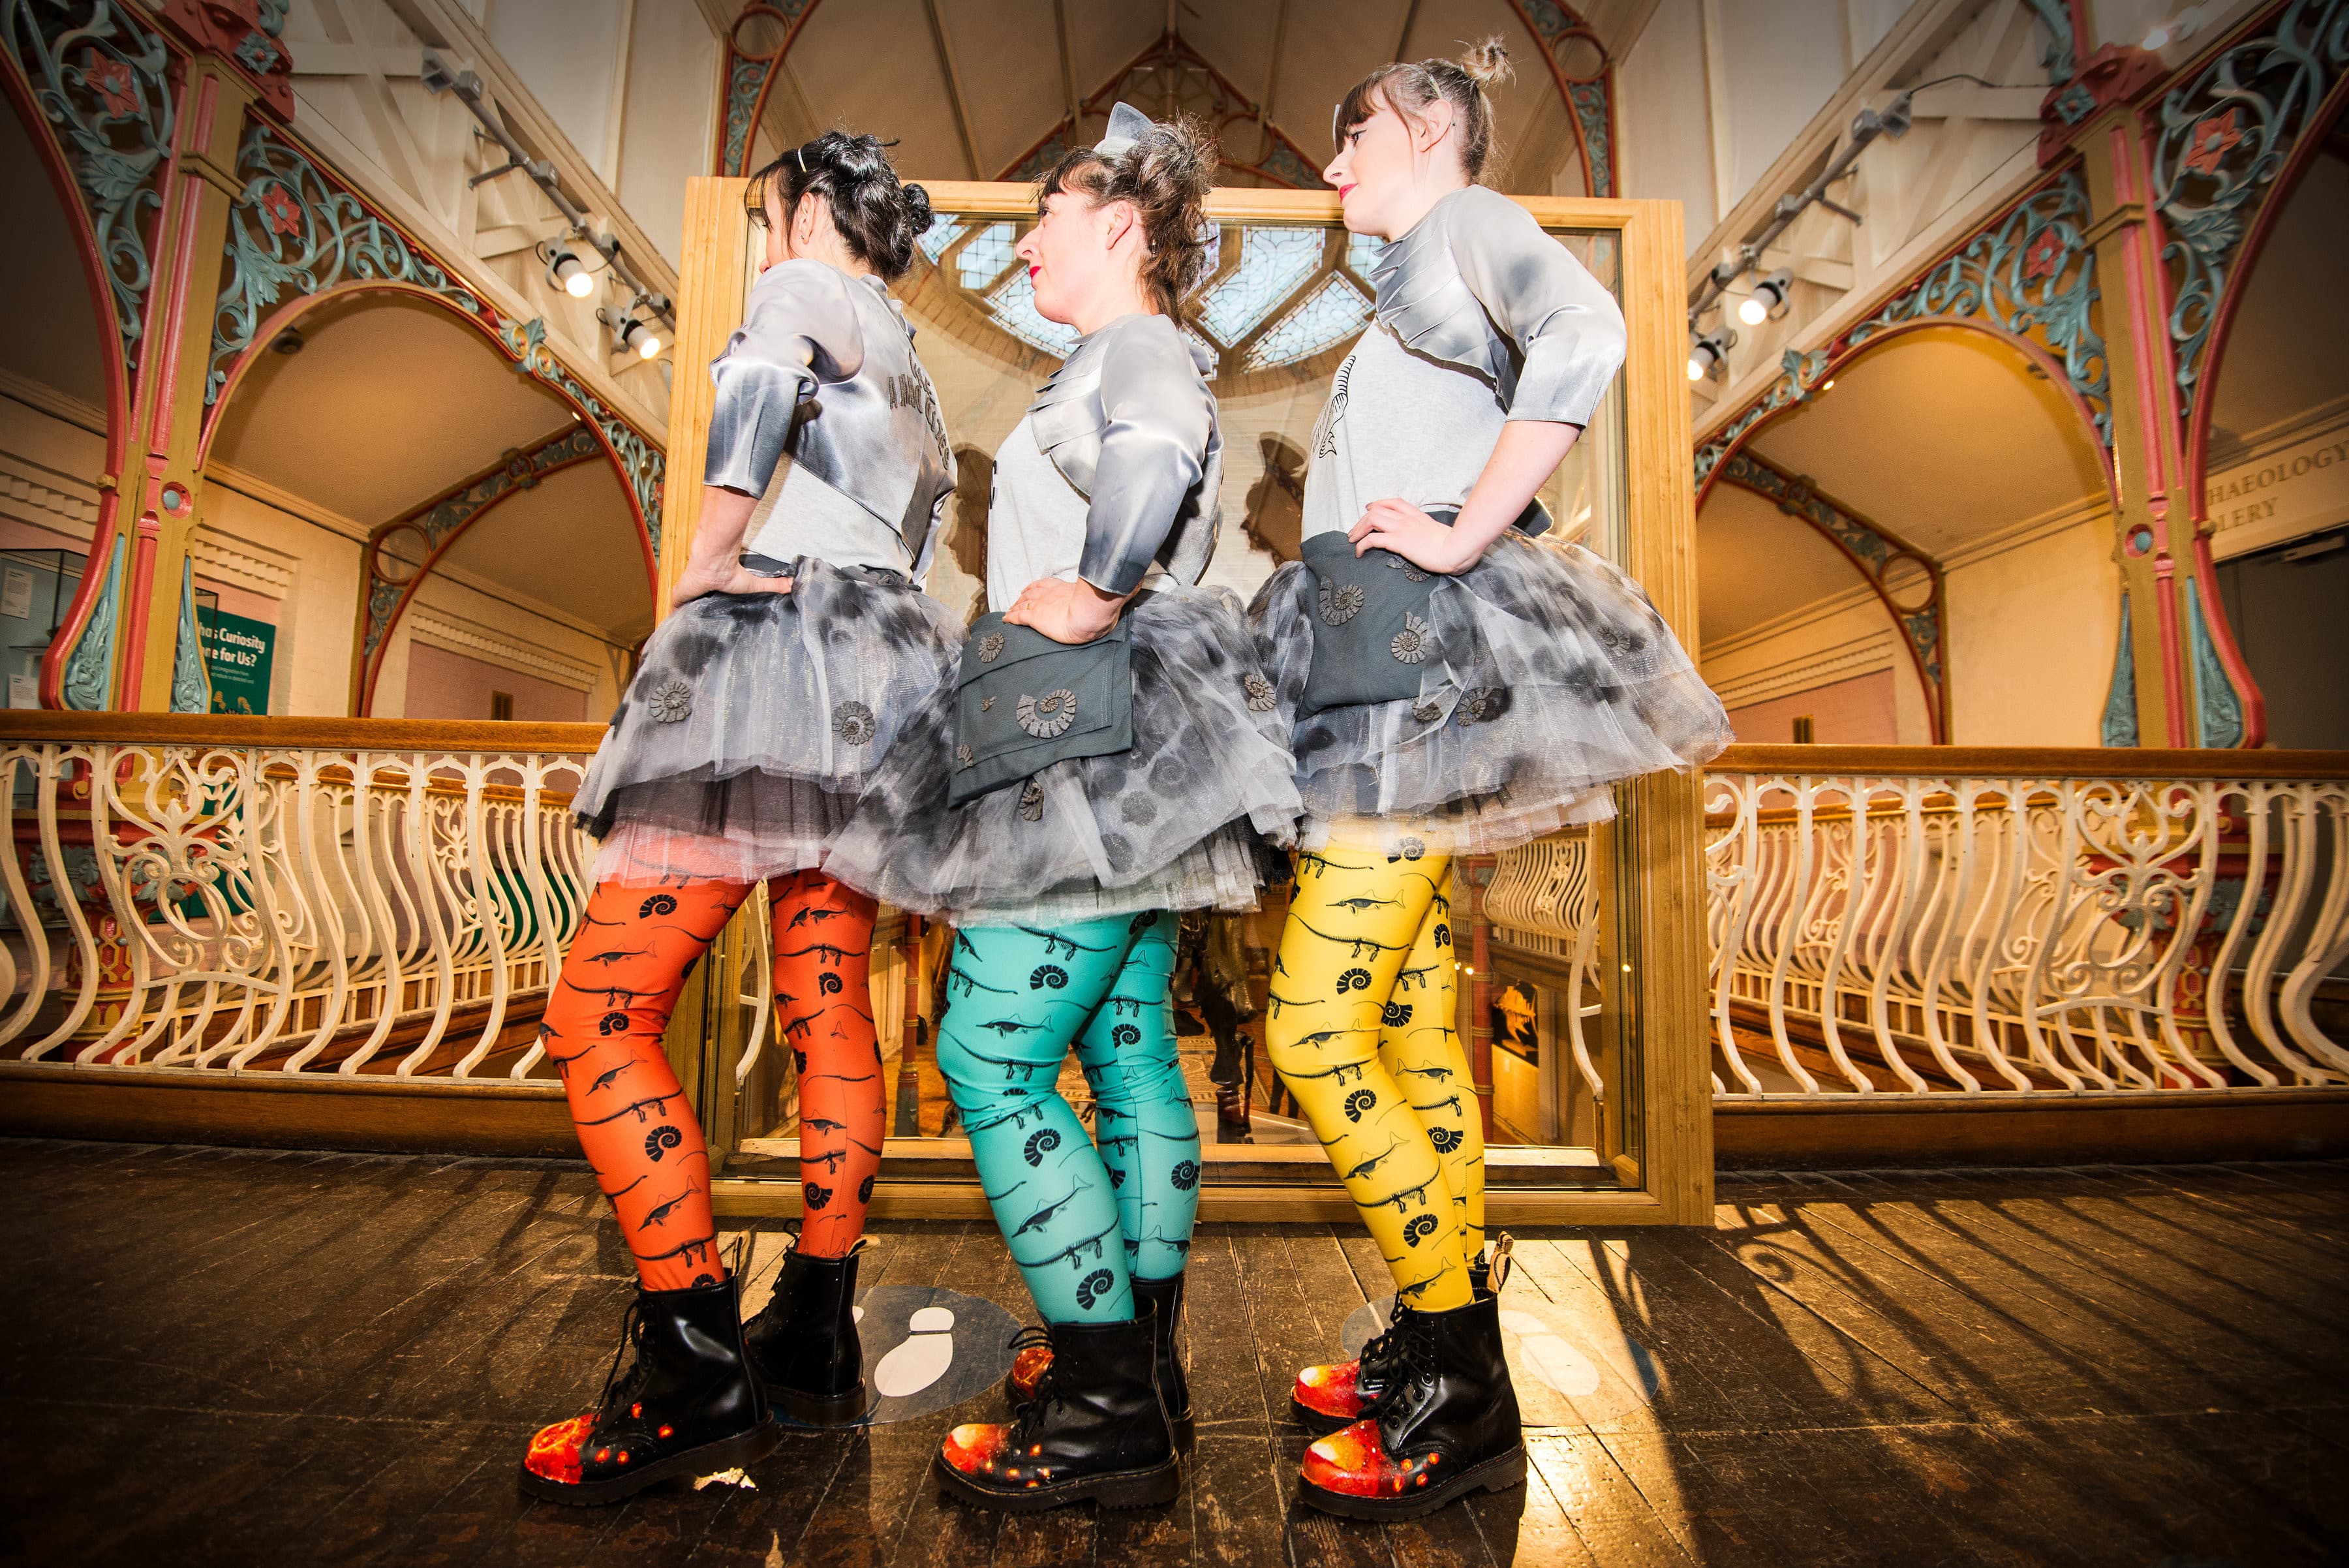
1279,312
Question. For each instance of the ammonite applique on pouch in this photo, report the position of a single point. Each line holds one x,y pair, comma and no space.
1410,644
1046,716
990,647
1341,602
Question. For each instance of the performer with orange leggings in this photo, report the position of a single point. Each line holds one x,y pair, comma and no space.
797,644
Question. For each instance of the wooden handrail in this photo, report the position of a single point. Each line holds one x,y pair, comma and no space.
294,733
2031,761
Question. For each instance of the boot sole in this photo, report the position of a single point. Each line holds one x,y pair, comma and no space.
821,1409
742,1449
1500,1473
1126,1488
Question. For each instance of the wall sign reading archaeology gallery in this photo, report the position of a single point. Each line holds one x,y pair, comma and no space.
237,654
2297,488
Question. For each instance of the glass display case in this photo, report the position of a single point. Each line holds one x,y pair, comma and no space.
1609,1126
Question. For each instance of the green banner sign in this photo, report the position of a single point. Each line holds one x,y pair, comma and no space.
237,653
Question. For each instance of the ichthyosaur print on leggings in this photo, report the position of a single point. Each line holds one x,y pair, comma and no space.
1360,1024
1084,1214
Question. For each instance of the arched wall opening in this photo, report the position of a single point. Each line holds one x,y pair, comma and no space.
64,403
356,415
2271,448
1960,442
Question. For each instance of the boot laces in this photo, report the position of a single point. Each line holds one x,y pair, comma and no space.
620,1388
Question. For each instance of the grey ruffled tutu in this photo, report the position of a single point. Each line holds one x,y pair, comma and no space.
755,722
1174,823
1552,679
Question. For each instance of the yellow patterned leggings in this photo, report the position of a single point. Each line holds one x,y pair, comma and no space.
1360,1026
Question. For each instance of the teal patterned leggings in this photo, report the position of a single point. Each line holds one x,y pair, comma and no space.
1084,1216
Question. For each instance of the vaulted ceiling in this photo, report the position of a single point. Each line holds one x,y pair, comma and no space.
971,88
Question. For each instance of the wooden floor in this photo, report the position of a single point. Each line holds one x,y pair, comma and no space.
253,1358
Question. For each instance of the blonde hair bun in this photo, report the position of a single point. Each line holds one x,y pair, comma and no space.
1487,61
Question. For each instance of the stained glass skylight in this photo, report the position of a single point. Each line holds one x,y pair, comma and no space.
1273,262
1014,308
1362,253
943,232
982,261
1331,315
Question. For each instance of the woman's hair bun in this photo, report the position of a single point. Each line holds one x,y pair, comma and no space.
1166,174
1487,61
878,217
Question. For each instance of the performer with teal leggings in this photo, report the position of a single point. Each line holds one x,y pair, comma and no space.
1083,1207
1107,755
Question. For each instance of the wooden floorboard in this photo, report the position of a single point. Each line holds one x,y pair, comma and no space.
264,1357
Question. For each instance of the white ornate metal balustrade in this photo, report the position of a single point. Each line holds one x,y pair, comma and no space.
401,912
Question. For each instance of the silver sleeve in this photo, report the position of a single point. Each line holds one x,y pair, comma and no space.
1564,322
1158,417
799,331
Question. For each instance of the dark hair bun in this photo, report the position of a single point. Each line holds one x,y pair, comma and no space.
1166,174
878,217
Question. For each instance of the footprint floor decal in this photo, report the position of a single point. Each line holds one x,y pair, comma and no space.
927,1348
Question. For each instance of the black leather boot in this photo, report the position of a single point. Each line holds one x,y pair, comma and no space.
1034,1354
1446,1426
687,1406
1096,1430
804,1343
1330,1399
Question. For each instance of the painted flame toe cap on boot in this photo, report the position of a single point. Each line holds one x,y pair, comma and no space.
1355,1463
974,1448
553,1452
1331,1391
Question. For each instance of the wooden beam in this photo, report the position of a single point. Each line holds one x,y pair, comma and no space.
1068,67
953,87
1402,34
1271,81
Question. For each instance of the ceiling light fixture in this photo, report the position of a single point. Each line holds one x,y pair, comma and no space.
640,334
567,272
1768,300
1708,354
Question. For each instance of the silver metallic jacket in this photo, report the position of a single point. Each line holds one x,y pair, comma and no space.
823,367
1477,284
1129,423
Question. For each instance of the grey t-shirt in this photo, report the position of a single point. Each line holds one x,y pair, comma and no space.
1397,425
1034,520
799,514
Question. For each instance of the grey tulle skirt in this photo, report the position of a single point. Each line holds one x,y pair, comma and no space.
1553,679
1178,822
755,722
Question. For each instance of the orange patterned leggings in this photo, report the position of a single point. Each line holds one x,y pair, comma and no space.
603,1031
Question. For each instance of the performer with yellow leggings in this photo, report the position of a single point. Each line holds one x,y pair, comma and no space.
1458,686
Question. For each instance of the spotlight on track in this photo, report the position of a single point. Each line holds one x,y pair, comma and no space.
631,332
1768,300
567,272
1708,354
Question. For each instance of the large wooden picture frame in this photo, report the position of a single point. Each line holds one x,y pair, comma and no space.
1659,1168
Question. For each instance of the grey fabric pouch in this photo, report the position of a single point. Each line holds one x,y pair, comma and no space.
1023,701
1371,631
